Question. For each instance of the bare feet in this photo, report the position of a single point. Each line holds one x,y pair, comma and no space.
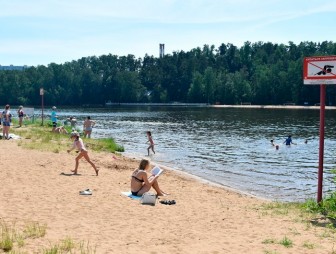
75,172
163,194
97,170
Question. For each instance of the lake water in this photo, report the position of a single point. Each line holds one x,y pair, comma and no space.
229,146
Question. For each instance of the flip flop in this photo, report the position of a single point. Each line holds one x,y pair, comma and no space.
168,202
86,192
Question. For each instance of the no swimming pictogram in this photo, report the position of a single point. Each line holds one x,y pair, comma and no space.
319,70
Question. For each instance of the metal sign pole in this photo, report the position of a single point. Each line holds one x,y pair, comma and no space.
320,70
42,106
321,149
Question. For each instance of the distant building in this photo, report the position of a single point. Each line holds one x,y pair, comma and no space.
13,68
162,50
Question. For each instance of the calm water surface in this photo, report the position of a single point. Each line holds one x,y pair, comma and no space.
227,146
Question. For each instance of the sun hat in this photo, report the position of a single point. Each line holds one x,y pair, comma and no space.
53,107
74,134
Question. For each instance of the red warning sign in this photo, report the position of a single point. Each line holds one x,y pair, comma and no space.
319,70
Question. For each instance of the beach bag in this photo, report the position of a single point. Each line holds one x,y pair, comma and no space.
148,199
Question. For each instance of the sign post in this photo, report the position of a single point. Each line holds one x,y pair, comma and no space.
321,145
42,106
320,70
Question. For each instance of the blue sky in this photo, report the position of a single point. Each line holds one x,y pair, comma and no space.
39,32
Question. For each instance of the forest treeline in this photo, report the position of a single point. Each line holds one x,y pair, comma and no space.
258,73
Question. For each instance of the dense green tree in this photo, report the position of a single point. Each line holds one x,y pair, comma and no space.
129,87
209,81
260,73
196,91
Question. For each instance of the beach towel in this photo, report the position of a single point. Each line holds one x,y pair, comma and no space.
129,194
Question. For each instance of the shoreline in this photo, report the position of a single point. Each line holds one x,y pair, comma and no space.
201,180
249,106
274,107
214,184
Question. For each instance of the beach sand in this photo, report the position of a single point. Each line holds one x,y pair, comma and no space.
205,218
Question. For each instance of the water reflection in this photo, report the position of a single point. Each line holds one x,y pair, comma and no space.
227,146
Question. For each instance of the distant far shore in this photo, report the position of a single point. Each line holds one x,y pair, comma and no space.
176,104
272,106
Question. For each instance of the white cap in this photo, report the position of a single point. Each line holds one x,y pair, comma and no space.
74,134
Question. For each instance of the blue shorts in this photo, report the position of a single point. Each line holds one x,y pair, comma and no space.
5,123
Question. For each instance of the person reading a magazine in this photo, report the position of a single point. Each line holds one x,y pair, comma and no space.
141,182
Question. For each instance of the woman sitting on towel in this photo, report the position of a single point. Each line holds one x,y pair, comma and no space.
141,183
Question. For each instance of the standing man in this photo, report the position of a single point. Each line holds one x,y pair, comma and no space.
53,118
87,127
289,141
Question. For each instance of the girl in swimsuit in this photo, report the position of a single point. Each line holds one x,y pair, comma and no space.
141,183
150,141
78,143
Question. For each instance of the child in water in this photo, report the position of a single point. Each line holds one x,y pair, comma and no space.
275,145
78,143
150,141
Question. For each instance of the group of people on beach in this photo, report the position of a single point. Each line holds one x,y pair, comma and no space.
141,180
88,124
6,120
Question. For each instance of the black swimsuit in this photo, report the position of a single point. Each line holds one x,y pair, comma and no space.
135,193
139,180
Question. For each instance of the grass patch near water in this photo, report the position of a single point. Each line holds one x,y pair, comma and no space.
37,137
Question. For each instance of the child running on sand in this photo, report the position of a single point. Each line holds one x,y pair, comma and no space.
150,141
78,143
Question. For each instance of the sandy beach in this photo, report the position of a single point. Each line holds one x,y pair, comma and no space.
205,218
